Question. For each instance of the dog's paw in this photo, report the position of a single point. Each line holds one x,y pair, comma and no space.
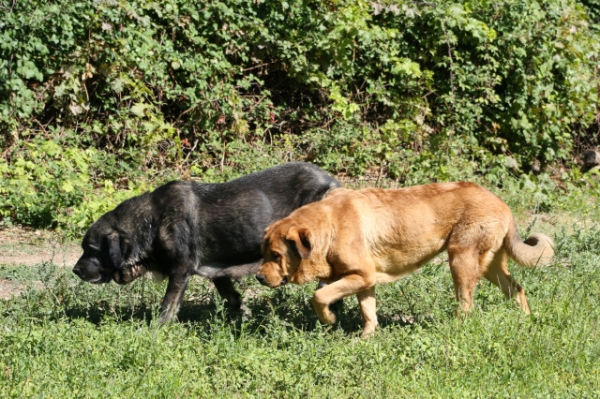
327,319
337,306
325,315
367,334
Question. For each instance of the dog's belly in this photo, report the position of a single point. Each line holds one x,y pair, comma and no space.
384,278
400,262
391,270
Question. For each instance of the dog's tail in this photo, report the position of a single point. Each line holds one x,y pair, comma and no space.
536,250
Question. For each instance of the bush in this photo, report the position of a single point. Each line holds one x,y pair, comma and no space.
213,90
50,184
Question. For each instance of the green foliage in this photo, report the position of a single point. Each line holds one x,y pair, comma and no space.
216,89
50,183
46,180
593,9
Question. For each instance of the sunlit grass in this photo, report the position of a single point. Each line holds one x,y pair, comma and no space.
78,340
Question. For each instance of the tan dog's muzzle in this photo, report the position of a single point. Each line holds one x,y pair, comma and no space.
268,276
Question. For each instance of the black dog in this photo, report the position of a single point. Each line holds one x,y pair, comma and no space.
185,228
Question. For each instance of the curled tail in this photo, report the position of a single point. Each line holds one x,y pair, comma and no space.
536,250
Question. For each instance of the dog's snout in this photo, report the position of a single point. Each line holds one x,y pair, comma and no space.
284,280
77,270
260,278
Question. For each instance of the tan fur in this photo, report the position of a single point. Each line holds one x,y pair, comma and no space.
128,274
357,239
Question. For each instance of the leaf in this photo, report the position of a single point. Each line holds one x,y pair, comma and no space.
139,109
75,109
67,187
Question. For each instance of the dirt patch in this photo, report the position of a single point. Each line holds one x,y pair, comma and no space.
9,288
56,257
28,247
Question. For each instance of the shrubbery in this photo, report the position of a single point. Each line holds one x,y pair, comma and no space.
134,93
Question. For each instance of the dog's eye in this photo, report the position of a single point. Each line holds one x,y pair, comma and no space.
91,251
275,256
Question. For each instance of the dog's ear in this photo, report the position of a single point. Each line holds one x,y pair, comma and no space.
119,248
300,239
312,263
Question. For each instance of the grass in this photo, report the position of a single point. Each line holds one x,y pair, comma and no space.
73,339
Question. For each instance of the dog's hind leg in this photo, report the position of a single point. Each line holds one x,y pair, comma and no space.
174,296
368,309
464,266
228,292
498,274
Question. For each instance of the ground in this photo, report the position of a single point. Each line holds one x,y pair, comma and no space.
27,247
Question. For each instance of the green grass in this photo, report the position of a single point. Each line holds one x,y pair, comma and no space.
73,339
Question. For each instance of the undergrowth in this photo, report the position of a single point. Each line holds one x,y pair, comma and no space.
102,100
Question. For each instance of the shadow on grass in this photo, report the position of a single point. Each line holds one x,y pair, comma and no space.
201,310
300,315
255,319
96,313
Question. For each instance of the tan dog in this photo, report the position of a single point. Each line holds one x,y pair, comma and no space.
355,240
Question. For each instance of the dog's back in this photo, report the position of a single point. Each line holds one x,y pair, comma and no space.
234,215
287,187
430,210
416,210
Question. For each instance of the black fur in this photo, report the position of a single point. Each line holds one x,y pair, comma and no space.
186,228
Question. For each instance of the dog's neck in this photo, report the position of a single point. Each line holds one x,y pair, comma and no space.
311,269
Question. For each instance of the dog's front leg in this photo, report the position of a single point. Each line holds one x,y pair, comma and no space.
348,285
368,309
226,289
175,288
335,306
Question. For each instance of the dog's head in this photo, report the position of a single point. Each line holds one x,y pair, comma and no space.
291,254
105,255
